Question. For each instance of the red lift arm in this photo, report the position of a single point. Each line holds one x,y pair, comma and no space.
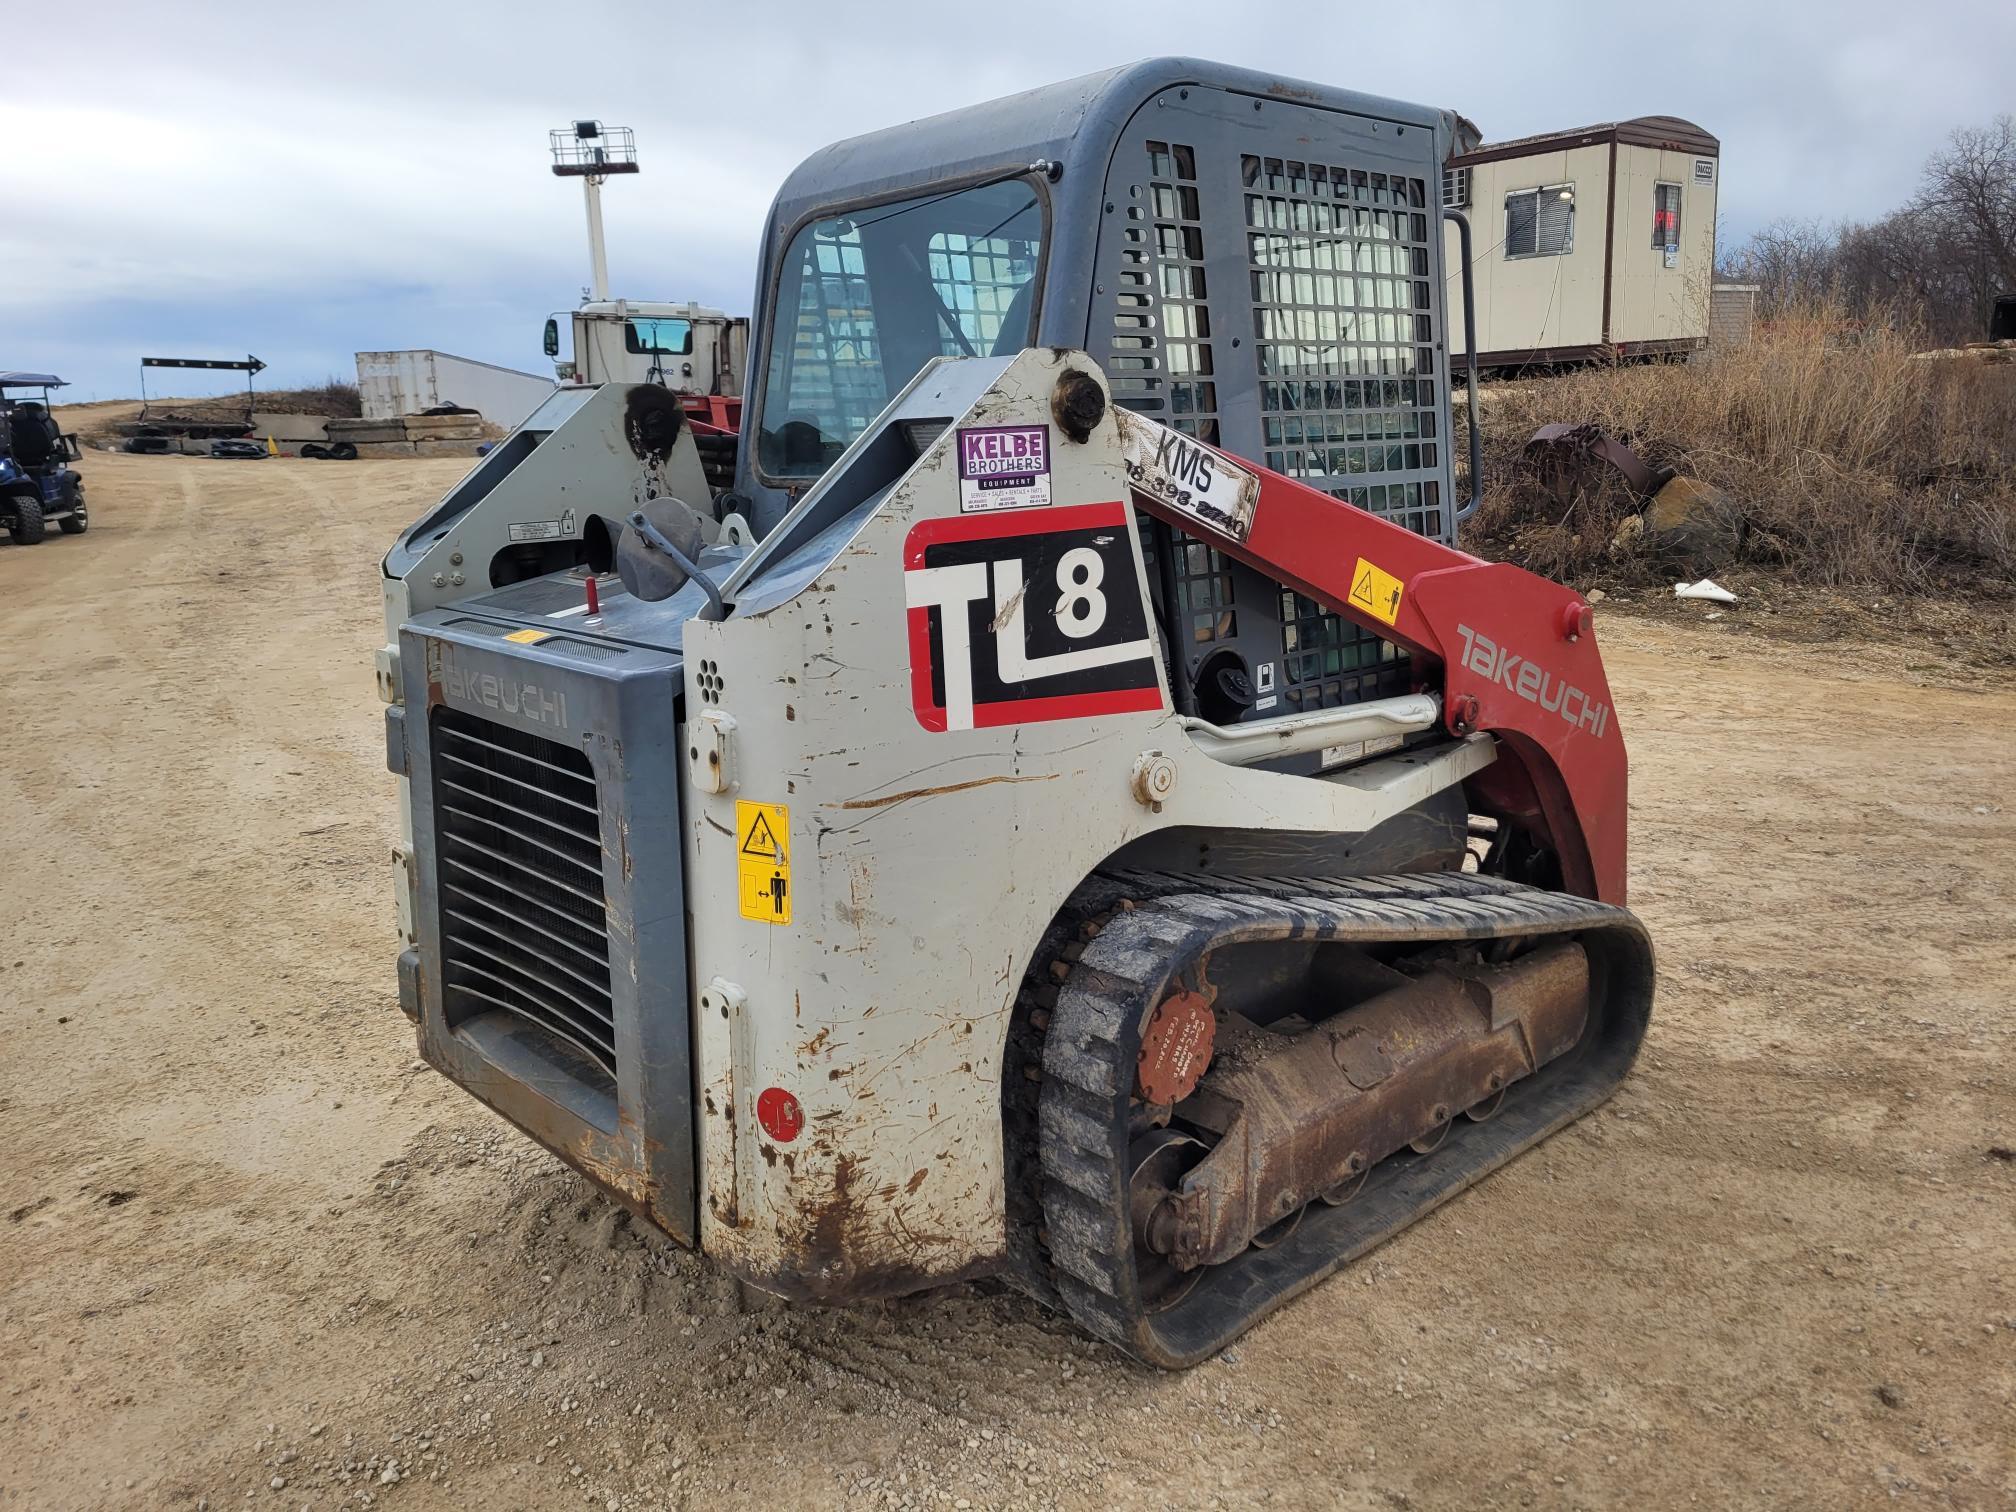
1510,653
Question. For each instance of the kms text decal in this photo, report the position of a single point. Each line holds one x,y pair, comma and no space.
1027,616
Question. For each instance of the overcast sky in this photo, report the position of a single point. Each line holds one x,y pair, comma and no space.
307,182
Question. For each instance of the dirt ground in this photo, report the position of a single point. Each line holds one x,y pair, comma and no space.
251,1254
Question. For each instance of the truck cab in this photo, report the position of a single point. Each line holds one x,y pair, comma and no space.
686,348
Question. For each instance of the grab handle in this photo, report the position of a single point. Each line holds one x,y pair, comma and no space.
1469,506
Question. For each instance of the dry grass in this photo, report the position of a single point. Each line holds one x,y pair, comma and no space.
335,399
1847,463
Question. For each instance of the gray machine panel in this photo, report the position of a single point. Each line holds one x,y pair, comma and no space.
573,1021
558,603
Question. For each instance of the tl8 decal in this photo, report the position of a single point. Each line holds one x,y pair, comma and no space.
1022,617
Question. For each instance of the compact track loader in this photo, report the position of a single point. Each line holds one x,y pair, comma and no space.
1068,812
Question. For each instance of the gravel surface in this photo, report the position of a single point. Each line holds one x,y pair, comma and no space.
257,1256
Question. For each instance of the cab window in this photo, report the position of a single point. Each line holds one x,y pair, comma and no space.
866,299
662,338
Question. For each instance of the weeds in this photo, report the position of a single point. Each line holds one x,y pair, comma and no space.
1848,462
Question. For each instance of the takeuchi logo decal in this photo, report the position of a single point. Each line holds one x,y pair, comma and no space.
507,695
1532,682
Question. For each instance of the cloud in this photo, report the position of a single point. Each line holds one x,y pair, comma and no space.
312,183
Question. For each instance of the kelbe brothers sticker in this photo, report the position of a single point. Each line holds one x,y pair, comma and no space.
1004,467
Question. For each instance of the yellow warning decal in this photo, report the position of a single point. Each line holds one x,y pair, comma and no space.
529,637
763,860
1378,593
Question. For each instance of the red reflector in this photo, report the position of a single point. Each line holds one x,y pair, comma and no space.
780,1115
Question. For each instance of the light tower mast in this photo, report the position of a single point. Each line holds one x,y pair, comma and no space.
590,151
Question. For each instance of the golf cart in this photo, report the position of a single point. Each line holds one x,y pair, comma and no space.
37,485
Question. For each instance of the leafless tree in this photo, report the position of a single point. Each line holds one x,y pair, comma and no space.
1970,189
1943,256
1792,261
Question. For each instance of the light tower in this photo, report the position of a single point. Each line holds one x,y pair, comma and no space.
590,151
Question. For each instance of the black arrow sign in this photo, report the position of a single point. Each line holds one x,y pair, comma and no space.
251,364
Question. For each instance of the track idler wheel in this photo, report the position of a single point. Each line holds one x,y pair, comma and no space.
1159,1160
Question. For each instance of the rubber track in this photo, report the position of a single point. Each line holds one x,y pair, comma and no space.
1149,925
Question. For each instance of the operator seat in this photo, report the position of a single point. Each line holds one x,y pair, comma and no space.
36,438
1015,331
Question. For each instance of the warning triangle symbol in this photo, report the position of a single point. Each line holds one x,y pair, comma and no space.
761,840
1362,589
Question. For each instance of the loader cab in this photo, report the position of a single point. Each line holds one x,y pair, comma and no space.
1254,261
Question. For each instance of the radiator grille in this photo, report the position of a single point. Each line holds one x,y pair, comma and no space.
524,917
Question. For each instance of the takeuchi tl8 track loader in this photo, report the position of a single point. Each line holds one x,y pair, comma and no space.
1068,812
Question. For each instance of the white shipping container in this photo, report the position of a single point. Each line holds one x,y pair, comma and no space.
409,383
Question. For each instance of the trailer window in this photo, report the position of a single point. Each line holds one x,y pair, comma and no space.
866,299
1540,222
1665,216
663,338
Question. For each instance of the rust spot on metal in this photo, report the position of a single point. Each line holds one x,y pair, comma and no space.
621,1180
826,1244
916,1181
934,792
817,1043
1567,458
